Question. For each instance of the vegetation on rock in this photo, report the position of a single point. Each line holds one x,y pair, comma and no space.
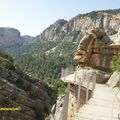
6,60
116,63
18,89
46,64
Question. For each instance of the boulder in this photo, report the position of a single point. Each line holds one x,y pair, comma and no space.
102,77
90,53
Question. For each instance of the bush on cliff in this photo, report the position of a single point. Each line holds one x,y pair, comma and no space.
116,63
6,61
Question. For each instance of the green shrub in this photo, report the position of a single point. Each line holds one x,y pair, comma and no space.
6,60
113,31
6,63
118,84
19,83
116,63
61,89
39,113
6,56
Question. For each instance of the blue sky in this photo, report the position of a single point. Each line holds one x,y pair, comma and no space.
31,17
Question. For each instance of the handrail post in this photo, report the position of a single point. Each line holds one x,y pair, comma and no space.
65,104
93,84
63,73
78,95
75,75
87,91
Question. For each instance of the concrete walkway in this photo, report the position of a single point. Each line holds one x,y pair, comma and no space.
104,105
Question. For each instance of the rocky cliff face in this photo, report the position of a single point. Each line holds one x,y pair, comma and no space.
20,90
108,20
63,30
53,32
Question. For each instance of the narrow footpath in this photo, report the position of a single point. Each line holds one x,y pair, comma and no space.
104,105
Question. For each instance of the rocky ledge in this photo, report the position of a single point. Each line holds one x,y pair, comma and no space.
20,90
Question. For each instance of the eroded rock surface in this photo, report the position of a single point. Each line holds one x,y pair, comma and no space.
19,90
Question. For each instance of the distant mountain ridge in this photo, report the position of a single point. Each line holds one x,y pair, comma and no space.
108,20
11,38
63,30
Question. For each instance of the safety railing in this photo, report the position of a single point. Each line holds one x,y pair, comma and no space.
83,77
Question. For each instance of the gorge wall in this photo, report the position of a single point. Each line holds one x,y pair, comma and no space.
17,89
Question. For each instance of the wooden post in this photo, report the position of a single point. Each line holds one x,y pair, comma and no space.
87,91
75,75
66,102
64,74
93,83
78,95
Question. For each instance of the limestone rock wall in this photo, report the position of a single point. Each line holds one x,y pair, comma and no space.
96,50
63,30
19,90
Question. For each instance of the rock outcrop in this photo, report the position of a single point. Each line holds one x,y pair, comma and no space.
95,39
53,32
96,50
102,76
17,89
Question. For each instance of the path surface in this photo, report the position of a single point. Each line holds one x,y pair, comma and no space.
102,106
